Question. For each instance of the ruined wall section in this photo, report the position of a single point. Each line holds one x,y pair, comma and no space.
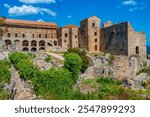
114,39
136,43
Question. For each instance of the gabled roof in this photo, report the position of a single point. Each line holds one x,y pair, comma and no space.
32,23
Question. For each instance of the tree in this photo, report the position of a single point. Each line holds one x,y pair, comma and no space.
73,63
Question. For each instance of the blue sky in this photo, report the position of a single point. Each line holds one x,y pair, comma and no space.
65,12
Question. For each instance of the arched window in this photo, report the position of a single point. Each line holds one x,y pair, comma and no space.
23,35
95,33
33,49
7,42
137,50
8,35
66,35
25,43
33,43
93,24
42,43
33,35
25,49
55,43
95,47
40,36
16,35
95,40
46,36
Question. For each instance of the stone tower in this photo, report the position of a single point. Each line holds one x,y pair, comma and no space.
89,34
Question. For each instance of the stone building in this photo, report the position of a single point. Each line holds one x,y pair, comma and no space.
89,34
30,35
117,39
121,39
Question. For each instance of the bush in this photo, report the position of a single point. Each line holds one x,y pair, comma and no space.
73,63
24,64
48,58
54,84
82,54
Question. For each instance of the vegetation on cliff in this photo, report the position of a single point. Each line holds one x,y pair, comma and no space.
4,78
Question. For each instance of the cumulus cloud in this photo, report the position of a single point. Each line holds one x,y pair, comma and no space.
28,10
129,2
37,1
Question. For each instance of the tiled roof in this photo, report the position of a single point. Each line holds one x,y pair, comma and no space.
32,23
70,26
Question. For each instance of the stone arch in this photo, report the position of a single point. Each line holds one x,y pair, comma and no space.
8,42
25,49
41,48
25,43
16,42
33,49
55,43
42,43
137,50
49,44
33,43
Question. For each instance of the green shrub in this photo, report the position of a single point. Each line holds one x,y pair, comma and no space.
54,83
48,58
82,54
5,71
73,63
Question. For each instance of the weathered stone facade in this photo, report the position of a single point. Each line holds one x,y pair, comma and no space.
117,39
121,39
89,34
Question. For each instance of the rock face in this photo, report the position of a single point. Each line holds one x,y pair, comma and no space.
3,55
136,83
101,68
21,89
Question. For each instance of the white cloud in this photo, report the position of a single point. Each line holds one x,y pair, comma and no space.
137,8
133,5
37,1
28,10
40,20
129,2
69,16
7,6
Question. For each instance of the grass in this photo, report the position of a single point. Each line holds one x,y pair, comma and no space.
110,89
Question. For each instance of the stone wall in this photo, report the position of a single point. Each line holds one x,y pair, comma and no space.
90,34
120,67
16,36
114,39
136,43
